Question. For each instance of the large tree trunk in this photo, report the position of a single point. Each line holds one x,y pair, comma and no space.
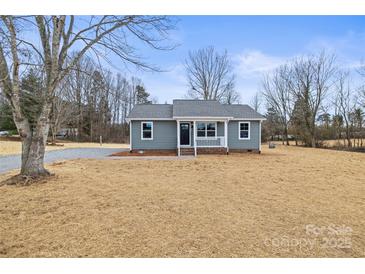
313,134
54,131
33,147
286,135
79,110
348,138
313,141
313,138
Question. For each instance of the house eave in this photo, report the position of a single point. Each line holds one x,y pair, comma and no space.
148,119
195,118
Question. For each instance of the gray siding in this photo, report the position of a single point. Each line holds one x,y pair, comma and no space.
164,135
235,143
220,128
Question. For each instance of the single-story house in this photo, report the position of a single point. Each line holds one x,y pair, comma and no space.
194,127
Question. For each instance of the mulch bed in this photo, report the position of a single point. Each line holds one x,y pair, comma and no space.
145,153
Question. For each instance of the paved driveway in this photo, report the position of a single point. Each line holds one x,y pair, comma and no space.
13,161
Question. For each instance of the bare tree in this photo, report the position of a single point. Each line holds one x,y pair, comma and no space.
58,35
231,96
210,76
276,91
359,120
135,83
343,103
62,110
311,80
79,82
362,97
123,87
256,101
361,90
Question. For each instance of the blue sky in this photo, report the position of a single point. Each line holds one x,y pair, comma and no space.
255,44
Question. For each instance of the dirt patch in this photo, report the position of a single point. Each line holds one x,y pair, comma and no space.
243,205
146,153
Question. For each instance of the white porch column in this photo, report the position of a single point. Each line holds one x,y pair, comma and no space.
226,134
178,137
194,135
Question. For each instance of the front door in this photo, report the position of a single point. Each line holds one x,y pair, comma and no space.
184,134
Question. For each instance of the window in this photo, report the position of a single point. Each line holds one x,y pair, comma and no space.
244,130
205,129
200,128
147,130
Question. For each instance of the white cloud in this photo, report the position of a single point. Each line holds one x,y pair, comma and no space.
252,63
249,67
350,42
167,85
348,48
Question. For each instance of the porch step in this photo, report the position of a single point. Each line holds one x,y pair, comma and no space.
186,151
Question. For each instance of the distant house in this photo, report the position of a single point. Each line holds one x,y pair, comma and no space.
194,127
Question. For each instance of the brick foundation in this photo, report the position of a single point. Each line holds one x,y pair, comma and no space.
211,150
153,152
244,151
187,151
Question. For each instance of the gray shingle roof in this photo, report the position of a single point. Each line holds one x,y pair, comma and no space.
243,111
161,111
199,108
193,108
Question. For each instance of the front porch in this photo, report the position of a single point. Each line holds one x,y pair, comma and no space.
208,136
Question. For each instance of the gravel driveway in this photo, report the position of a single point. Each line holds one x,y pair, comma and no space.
13,161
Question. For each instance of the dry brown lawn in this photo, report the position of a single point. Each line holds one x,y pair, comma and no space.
244,205
329,143
15,147
335,143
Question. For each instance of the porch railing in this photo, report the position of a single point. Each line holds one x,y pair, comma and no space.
218,141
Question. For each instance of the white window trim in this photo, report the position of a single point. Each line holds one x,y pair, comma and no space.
206,137
239,130
147,139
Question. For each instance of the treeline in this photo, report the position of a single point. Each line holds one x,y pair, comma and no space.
311,99
91,102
